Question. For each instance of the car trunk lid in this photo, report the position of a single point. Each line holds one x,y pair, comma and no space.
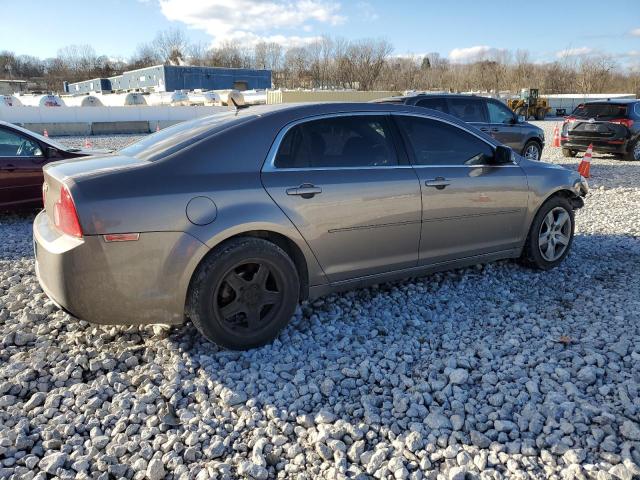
67,172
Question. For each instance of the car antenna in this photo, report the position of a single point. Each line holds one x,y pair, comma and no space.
238,107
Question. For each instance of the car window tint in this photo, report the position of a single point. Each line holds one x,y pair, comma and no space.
14,145
356,141
438,143
499,113
439,104
600,110
467,109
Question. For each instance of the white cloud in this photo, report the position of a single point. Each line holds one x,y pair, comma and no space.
367,12
635,32
575,52
251,21
475,53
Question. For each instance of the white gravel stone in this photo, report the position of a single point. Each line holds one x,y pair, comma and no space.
487,372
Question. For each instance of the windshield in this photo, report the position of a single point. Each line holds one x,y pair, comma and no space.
600,110
42,138
169,140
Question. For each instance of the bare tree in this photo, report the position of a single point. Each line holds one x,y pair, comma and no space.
171,46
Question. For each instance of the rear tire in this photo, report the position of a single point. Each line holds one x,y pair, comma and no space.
243,293
550,236
569,153
633,154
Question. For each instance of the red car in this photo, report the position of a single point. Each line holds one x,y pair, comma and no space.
22,156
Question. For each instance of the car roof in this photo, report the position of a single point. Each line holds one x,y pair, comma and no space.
617,101
402,98
288,112
268,118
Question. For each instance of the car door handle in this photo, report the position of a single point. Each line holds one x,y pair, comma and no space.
438,182
306,190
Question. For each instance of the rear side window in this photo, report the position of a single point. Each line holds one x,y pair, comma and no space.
499,113
437,143
468,109
439,104
600,110
338,142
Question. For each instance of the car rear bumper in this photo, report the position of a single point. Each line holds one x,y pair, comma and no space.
127,283
599,145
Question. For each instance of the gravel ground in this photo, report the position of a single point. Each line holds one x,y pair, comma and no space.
487,372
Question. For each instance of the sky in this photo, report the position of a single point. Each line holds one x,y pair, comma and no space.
461,30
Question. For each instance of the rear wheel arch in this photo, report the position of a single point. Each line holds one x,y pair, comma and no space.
285,243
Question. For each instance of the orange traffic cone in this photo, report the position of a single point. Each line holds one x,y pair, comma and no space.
585,165
87,143
556,137
46,134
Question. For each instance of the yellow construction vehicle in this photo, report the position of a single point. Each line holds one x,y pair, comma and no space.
529,104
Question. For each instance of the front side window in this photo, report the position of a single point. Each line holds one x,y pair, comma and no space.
437,143
439,104
499,113
14,145
338,142
468,109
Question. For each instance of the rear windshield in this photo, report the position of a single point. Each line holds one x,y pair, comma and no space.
600,110
169,140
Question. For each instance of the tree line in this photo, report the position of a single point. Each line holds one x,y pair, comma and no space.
364,64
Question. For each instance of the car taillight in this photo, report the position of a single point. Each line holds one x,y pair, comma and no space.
627,122
65,216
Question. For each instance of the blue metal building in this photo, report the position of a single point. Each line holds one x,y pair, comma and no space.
167,78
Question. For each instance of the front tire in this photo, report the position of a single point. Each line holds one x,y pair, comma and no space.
243,293
532,150
550,236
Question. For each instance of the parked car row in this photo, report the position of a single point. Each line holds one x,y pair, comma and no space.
232,219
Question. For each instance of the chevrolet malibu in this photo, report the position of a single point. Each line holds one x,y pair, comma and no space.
233,219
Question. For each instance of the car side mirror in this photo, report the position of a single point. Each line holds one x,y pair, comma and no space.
51,152
521,119
503,155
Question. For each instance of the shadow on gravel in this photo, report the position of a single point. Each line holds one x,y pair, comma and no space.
530,360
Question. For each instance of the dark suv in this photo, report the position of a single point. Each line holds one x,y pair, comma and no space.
612,126
489,115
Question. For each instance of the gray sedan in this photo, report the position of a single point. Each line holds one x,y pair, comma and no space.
233,219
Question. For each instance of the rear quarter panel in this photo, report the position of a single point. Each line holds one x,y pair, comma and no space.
153,196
